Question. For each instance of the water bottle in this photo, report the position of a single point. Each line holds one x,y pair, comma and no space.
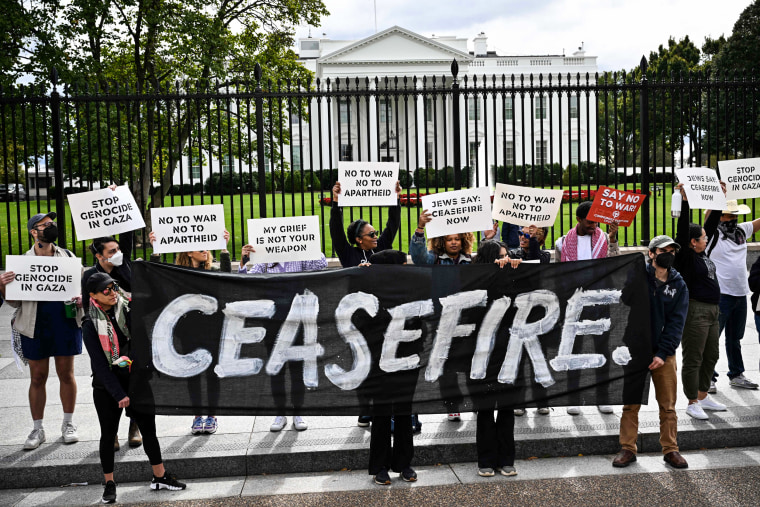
675,204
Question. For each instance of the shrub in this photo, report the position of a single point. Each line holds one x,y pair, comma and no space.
405,178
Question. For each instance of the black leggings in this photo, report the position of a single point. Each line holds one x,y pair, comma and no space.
109,414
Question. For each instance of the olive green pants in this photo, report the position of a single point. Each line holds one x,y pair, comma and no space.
699,347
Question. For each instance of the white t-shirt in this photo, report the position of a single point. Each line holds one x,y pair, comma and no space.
731,263
583,248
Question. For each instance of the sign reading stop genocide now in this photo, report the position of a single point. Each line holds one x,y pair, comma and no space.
612,206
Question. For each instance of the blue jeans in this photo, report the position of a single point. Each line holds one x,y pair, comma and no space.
733,318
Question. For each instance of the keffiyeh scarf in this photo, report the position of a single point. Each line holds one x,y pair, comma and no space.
104,327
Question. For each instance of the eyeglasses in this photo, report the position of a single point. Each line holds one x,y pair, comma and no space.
372,234
114,287
45,225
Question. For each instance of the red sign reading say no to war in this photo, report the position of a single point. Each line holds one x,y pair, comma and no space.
612,206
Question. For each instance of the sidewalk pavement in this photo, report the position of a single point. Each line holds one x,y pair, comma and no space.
244,446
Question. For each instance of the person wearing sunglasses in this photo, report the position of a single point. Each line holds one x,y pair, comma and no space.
43,330
531,240
107,336
361,234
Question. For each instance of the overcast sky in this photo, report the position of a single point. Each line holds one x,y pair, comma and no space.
619,32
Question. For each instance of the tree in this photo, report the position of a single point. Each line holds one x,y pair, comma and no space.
147,47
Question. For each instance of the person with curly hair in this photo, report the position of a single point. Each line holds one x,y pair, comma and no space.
450,249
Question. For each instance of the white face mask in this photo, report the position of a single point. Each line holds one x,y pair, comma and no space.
116,259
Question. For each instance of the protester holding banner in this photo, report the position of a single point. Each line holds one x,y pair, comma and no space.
44,330
531,242
107,336
701,336
202,260
360,233
296,368
583,242
451,249
728,250
669,303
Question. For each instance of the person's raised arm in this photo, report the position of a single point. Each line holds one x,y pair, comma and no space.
391,226
417,247
682,227
337,231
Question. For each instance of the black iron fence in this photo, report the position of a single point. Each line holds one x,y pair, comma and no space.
266,149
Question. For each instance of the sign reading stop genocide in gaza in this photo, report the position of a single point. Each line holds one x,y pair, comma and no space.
612,206
104,212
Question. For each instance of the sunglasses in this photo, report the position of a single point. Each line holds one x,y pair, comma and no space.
526,235
372,234
111,288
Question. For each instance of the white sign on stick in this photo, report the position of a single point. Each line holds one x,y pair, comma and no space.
284,239
104,213
525,205
43,278
368,183
458,211
188,228
702,188
742,177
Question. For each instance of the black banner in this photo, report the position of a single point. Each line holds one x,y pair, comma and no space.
385,339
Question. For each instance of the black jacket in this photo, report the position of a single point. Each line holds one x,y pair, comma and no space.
668,304
353,255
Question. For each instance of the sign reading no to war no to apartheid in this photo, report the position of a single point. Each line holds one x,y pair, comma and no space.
284,239
104,213
612,206
458,211
367,183
702,188
188,228
42,278
525,205
742,177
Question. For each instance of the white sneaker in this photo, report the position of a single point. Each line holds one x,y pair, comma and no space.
35,438
519,412
605,409
696,411
454,417
279,422
574,410
69,433
544,411
299,423
710,404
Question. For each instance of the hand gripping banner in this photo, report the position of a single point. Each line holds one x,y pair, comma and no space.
391,339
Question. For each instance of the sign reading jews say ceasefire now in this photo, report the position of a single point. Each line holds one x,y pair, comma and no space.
742,177
104,213
612,206
526,205
458,211
368,183
702,188
188,228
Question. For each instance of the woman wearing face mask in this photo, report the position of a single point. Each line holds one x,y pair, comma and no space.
701,333
451,249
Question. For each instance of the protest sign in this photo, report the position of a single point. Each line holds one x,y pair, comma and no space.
526,205
284,239
42,278
104,213
702,188
368,340
188,228
742,177
458,211
368,183
612,206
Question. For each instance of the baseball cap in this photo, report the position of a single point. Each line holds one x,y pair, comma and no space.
97,282
39,216
662,241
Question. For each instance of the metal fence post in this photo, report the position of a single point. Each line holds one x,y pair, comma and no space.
55,128
259,101
455,126
644,130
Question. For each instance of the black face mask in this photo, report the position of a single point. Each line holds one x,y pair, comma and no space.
665,260
731,225
49,234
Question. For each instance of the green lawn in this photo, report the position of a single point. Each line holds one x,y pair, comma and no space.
239,208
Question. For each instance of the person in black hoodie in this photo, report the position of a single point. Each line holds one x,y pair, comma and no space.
360,233
106,334
668,303
754,286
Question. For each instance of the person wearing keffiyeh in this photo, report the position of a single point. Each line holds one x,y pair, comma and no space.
106,334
